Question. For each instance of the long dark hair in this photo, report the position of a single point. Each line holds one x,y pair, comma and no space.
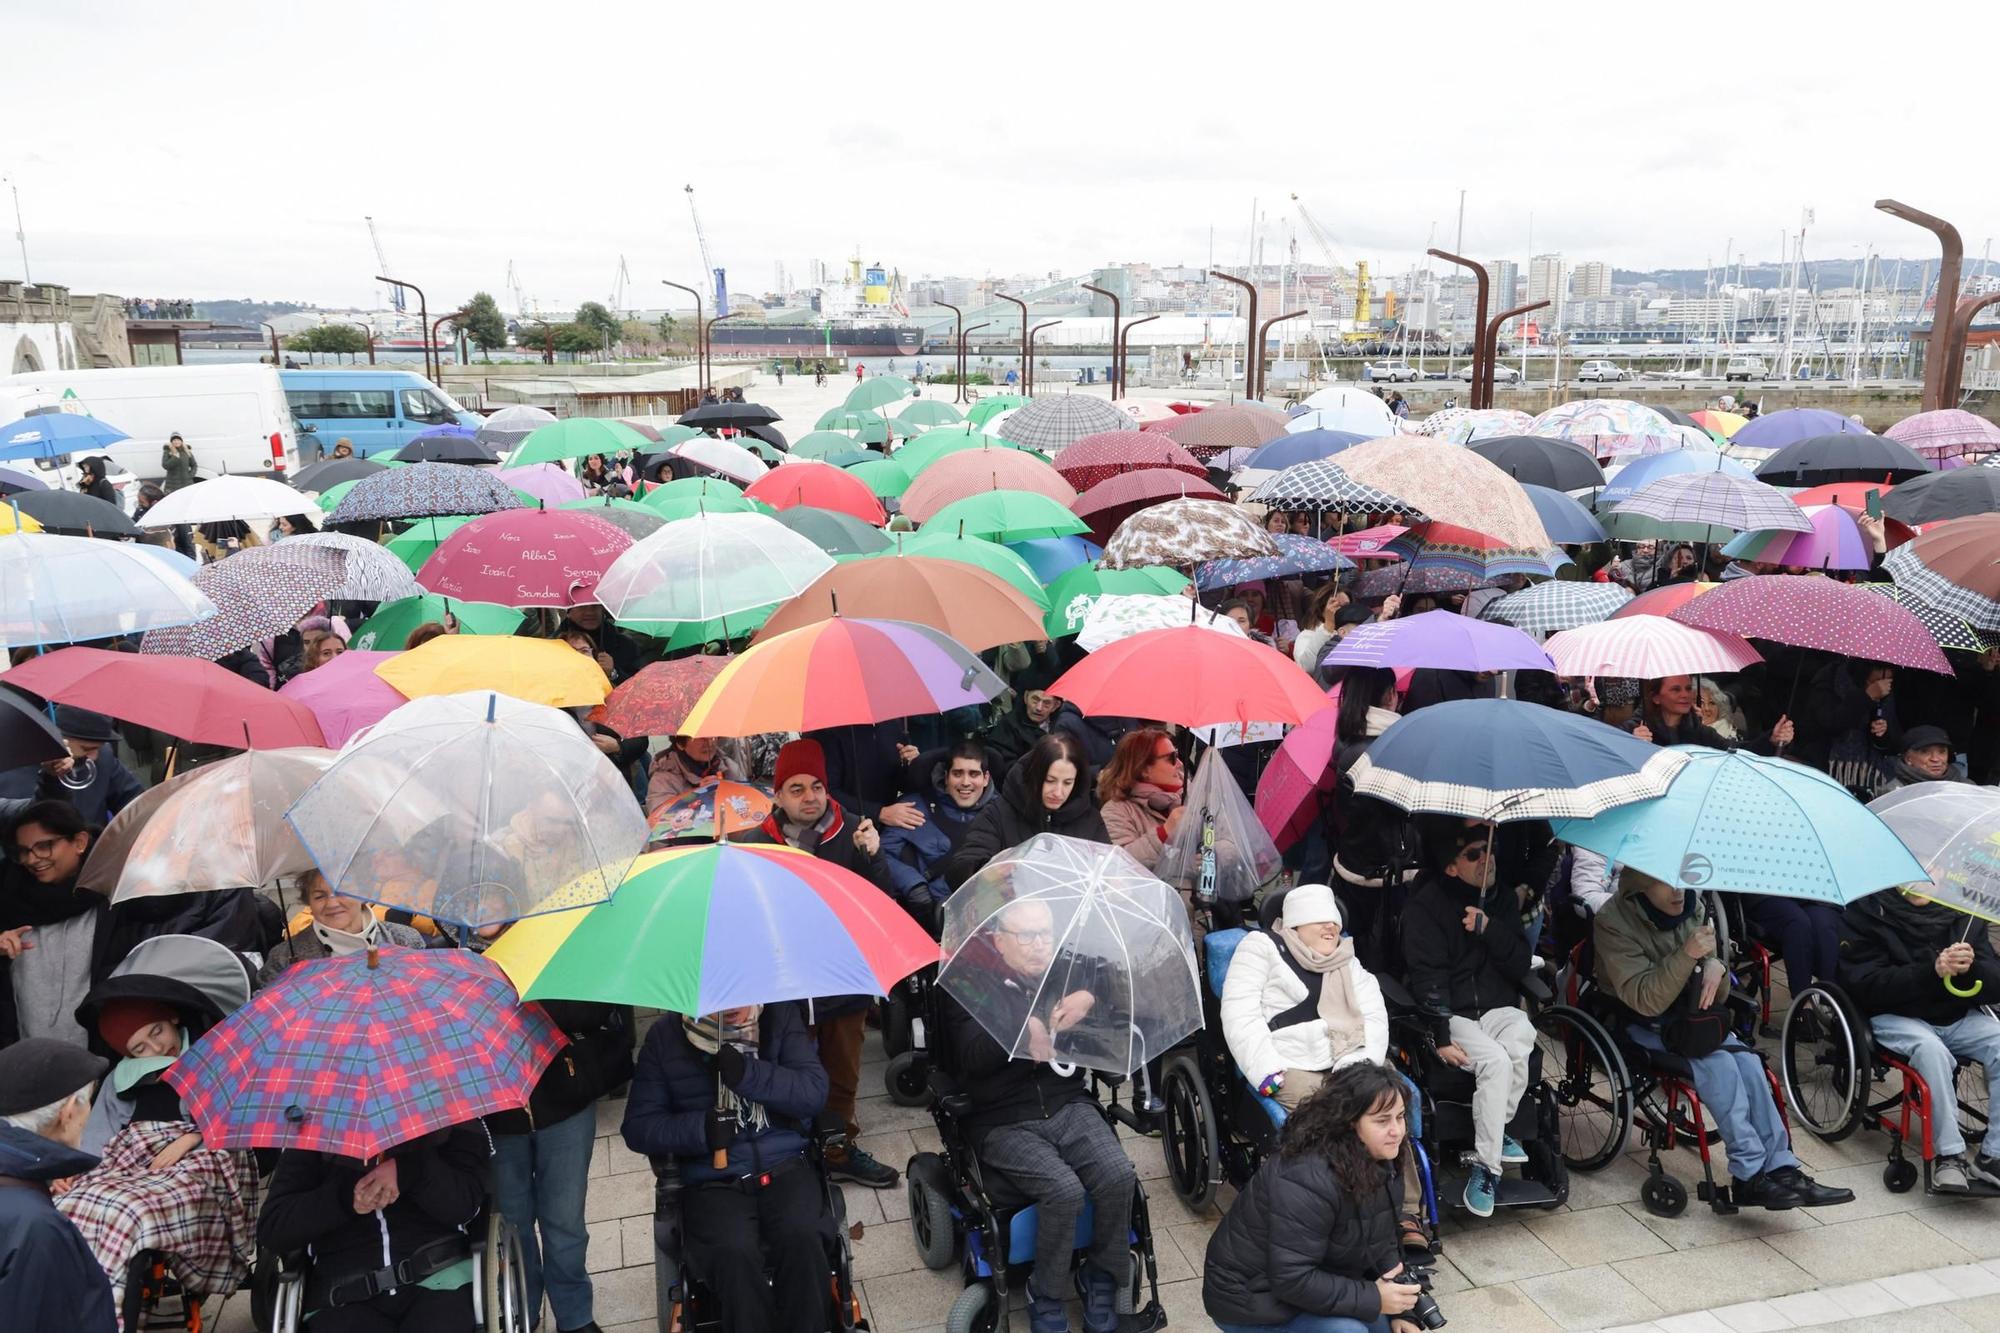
1360,688
1324,1123
1036,763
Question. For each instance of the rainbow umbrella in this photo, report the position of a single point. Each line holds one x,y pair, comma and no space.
698,929
1836,542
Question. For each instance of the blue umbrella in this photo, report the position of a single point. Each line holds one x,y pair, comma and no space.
1568,522
1052,557
1501,759
14,479
1640,472
1746,824
48,434
1775,430
1304,447
1296,555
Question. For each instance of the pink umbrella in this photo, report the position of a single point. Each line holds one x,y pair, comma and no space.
345,694
970,472
547,482
1813,611
1647,648
1836,542
1300,772
525,557
1949,433
1111,501
1369,543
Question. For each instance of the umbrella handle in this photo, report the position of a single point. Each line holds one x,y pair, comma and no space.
1963,992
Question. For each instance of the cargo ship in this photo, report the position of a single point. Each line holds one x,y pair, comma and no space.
860,316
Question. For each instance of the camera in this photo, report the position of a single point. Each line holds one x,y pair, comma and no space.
1425,1311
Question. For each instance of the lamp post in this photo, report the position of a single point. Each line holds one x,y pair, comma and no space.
1125,350
277,360
1951,259
1031,352
423,318
1249,327
1482,368
1026,374
705,340
700,345
1489,339
1117,309
959,397
435,325
1961,333
367,333
964,366
1263,329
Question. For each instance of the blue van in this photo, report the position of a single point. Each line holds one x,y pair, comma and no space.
378,411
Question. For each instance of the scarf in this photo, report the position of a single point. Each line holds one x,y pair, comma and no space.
1921,921
1160,800
341,943
1380,718
1339,1009
127,1073
706,1035
26,901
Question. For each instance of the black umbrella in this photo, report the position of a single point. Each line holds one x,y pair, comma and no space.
770,435
1849,456
27,736
330,472
1935,496
1538,460
73,514
740,415
446,449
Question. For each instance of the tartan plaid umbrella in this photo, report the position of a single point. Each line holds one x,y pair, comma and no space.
1559,604
424,490
1051,424
962,475
1955,568
1322,485
654,701
1098,458
1213,429
1948,433
1186,532
341,1056
1812,611
257,593
1949,630
1704,507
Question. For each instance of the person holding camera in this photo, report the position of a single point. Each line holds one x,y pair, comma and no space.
1311,1244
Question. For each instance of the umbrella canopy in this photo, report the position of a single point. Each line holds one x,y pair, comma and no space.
1742,823
15,480
1076,590
1935,497
722,416
1835,542
989,556
878,392
1541,460
1608,426
577,437
52,434
929,412
978,609
392,622
1296,555
1664,601
510,425
346,695
1648,648
840,672
1086,462
821,443
968,473
447,444
1052,557
885,478
932,445
1486,424
1441,639
536,671
1369,543
74,514
628,516
421,490
1213,429
1184,533
1559,604
1346,408
1955,568
820,485
1145,411
1809,611
27,736
434,811
1193,676
1952,829
1054,423
373,573
1501,760
1291,788
992,406
1947,433
258,592
221,500
1449,484
731,460
1058,918
1842,456
1704,507
1568,523
692,488
835,533
1950,631
1110,502
1775,430
73,589
353,1056
548,482
1628,480
1721,424
1437,556
182,696
656,699
859,427
1304,447
1112,616
1006,516
695,930
709,567
526,557
716,811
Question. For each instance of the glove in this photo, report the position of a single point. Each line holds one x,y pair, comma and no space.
1269,1087
720,1129
730,1063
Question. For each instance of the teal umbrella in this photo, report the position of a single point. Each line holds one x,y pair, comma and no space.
884,476
820,443
854,421
986,409
878,392
671,507
577,437
1006,516
1073,591
414,544
628,516
932,445
701,487
834,533
392,622
929,412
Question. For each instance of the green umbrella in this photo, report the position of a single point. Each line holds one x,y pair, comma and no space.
677,636
884,476
577,437
820,443
867,427
392,622
989,556
903,429
673,435
835,533
929,412
852,458
1006,516
628,516
883,389
986,409
414,544
671,507
1076,588
932,445
763,449
330,498
697,486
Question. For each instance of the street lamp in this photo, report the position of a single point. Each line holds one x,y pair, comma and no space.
277,361
1030,360
965,366
423,318
1961,333
437,324
1945,305
1490,341
1249,327
1125,350
705,340
1117,308
1482,366
700,342
1025,373
960,397
1263,329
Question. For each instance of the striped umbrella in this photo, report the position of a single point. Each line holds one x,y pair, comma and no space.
1664,601
1812,611
1704,507
1949,630
257,593
1955,568
1369,543
1323,487
1446,546
958,476
1608,426
1097,458
1051,424
1559,604
424,490
1647,648
1947,433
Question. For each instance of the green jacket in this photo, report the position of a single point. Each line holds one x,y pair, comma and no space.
178,467
1644,967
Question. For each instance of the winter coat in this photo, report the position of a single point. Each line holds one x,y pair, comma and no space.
673,1090
1888,961
1693,731
1008,740
1374,839
177,465
1138,828
1833,733
1435,685
49,1279
597,1060
227,916
1296,1241
1018,816
917,857
864,772
304,946
1097,735
1270,1012
112,787
1646,968
834,842
1455,971
1005,1090
1902,775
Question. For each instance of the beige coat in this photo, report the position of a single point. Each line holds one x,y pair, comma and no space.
1645,967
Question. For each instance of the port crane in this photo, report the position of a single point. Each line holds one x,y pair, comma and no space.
618,282
520,296
707,261
382,264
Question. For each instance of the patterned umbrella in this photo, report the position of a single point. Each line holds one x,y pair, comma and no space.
1948,433
1836,542
1608,426
1486,424
967,473
628,516
654,701
353,1056
1449,484
1324,487
1955,568
1051,424
1949,630
1811,611
1211,430
1842,456
257,592
1179,533
1626,481
1439,425
548,482
1559,604
1434,577
1704,507
716,811
529,557
1369,543
1542,460
1775,430
1937,497
1296,555
1648,648
424,490
1111,616
1098,458
374,574
1075,591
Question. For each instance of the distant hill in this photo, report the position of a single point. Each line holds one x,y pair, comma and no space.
247,311
1823,273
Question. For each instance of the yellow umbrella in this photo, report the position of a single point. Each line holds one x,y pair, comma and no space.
1718,422
13,520
539,671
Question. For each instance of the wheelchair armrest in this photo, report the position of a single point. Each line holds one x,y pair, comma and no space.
1536,987
1395,994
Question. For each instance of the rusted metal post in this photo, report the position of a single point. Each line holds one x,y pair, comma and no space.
1950,261
423,318
1482,379
1125,352
706,340
700,346
1249,327
437,324
1490,339
964,362
1017,301
1117,308
1263,329
1029,359
1961,334
960,396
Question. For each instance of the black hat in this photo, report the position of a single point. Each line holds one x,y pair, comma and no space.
41,1071
1916,738
80,724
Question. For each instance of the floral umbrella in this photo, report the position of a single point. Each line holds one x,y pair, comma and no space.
1485,424
1947,433
1187,532
1608,426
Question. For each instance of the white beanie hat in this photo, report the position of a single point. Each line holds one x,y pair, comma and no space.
1308,904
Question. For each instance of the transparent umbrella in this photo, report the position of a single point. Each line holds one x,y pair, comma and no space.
472,809
1953,828
74,589
709,566
1069,951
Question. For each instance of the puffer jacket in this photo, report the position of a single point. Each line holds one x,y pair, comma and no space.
1888,961
918,857
1373,839
1297,1242
1455,971
1018,816
1005,1090
1270,1012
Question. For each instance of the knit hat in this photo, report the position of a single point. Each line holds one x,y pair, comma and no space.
1309,904
800,757
119,1019
80,724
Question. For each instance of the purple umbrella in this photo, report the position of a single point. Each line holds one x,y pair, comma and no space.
545,481
1835,542
1775,430
1441,639
345,694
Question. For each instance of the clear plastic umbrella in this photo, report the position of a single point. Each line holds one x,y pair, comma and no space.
1069,951
472,809
708,566
75,589
511,425
1953,828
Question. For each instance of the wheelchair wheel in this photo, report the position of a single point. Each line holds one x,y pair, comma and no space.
1972,1108
931,1224
1189,1137
908,1079
1663,1196
975,1311
1824,1062
1899,1176
503,1276
1593,1091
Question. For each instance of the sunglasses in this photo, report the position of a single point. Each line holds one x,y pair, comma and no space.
1476,852
1171,756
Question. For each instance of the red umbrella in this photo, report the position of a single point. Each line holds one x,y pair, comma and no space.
657,699
1097,458
1112,501
970,472
819,486
1299,774
1369,543
1812,611
182,696
525,557
1211,430
1193,676
1663,601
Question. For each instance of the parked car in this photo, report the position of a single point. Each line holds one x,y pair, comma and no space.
1393,372
1746,368
1602,372
1502,374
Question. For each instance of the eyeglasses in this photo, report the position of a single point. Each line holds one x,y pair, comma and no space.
1476,852
36,851
1041,936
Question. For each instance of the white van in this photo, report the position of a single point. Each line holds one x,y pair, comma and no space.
234,417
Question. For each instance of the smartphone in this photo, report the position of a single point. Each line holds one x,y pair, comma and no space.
1873,504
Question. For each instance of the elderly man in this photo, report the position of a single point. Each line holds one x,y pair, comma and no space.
48,1276
90,777
1038,1123
1926,757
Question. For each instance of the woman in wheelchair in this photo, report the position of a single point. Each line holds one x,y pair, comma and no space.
1918,972
1310,1245
731,1097
1655,957
387,1241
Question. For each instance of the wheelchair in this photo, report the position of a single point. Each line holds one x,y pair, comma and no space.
1832,1063
499,1281
154,1302
906,1038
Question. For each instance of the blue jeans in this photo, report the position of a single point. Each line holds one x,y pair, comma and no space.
1313,1323
1932,1051
1737,1095
539,1181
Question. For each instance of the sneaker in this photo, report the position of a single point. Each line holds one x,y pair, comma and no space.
1045,1313
1985,1170
1810,1193
1100,1299
854,1164
1949,1175
1479,1188
1511,1152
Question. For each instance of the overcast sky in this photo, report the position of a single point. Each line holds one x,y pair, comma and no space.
233,149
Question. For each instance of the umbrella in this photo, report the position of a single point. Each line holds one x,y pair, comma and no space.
932,445
1052,557
1501,759
1952,829
655,699
1112,616
1811,611
510,425
13,521
577,437
1540,460
392,622
1566,520
987,408
182,696
346,695
1440,424
1296,555
222,500
928,412
716,811
1743,823
865,427
692,488
1486,424
1082,918
53,434
1935,497
835,533
840,672
1185,533
447,444
1447,483
526,557
1836,542
1947,433
547,482
1955,568
258,592
1648,648
1664,601
1005,516
1722,424
1193,676
373,573
536,671
1559,604
628,516
1628,480
353,1056
1096,458
421,490
990,556
1775,430
27,736
819,485
1431,548
1607,426
1301,772
1213,429
1052,424
979,609
729,416
1304,447
820,443
75,514
968,473
416,543
1076,590
439,810
695,930
1145,411
14,480
1440,639
731,460
1110,502
710,567
1369,543
1950,631
1703,507
330,498
1340,407
324,475
885,478
879,392
1842,456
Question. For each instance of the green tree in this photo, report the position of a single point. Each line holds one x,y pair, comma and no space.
593,315
669,329
484,323
336,339
579,338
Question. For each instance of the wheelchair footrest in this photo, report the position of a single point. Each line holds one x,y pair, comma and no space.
1520,1192
1716,1197
1145,1320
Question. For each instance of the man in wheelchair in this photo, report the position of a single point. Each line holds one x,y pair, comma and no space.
1918,971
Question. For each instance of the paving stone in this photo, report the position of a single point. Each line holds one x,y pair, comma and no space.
1587,1298
1872,1198
1699,1322
1600,1236
1929,1319
1700,1226
624,1296
1868,1248
635,1239
610,1115
1748,1317
1497,1309
1978,1312
628,1195
883,1250
619,1158
1504,1253
606,1252
1807,1308
1913,1289
1852,1299
918,1299
1687,1280
1971,1224
1964,1280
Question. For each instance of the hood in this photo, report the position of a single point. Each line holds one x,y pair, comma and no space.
26,1156
1028,805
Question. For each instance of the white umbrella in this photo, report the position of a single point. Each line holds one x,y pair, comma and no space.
225,498
1349,409
1116,616
74,589
708,566
374,574
731,460
511,425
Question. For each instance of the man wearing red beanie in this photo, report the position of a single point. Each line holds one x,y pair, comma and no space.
806,817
